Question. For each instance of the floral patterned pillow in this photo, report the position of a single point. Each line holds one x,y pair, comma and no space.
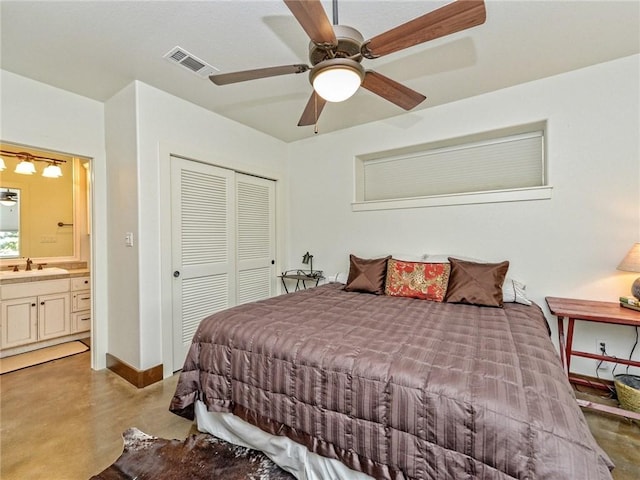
427,281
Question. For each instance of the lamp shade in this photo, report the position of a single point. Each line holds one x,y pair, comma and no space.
337,79
25,167
631,263
52,171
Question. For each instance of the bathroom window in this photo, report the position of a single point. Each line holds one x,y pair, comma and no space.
9,223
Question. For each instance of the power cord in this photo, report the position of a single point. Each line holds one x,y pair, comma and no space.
603,351
632,349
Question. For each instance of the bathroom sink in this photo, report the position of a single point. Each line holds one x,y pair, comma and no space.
33,273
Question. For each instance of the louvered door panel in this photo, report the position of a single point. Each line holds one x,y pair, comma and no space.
254,284
204,218
203,250
255,217
198,302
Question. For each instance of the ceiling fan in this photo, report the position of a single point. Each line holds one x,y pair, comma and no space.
336,52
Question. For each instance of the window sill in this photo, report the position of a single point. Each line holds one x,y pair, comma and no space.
496,196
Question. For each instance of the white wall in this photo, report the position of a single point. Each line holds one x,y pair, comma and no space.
166,125
123,194
567,246
42,116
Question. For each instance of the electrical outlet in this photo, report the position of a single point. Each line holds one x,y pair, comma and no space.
601,349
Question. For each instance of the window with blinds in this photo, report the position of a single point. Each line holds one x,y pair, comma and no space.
506,165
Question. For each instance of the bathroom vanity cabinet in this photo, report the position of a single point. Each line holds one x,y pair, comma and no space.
80,304
37,313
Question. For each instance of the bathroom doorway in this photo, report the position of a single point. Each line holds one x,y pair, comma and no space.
45,248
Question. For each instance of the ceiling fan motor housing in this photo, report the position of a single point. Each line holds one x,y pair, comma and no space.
349,41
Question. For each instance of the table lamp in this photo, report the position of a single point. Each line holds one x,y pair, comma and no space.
308,259
631,263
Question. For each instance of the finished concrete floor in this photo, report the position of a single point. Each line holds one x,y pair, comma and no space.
63,421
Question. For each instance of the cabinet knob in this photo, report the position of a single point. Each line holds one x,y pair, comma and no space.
33,304
41,303
176,274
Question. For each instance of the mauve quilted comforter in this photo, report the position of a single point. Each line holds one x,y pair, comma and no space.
395,387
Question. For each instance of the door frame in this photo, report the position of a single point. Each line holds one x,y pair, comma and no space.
165,152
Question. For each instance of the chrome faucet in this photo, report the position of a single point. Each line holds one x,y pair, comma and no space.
29,262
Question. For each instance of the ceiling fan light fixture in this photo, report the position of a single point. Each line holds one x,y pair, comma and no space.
337,79
8,198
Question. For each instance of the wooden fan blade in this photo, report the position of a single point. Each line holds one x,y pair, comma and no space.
234,77
391,90
313,19
313,110
451,18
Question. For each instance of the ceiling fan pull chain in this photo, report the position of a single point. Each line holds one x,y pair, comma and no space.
315,113
334,5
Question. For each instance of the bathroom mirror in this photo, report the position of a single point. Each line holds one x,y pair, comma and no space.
49,219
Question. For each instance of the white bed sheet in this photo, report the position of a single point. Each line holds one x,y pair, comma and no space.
286,453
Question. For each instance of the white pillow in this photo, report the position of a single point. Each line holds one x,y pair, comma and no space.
513,291
340,277
405,257
445,258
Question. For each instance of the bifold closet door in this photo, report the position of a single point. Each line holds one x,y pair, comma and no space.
255,238
203,249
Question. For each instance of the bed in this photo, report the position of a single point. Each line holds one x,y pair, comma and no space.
395,387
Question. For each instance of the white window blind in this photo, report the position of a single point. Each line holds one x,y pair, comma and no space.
508,162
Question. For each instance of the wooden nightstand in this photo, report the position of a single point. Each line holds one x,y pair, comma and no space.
590,311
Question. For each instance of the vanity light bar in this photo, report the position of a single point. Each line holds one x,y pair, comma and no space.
26,166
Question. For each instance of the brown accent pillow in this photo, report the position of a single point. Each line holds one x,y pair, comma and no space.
367,275
476,283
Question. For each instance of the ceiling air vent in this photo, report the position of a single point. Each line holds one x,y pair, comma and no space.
192,63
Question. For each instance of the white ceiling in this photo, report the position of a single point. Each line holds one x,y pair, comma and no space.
95,48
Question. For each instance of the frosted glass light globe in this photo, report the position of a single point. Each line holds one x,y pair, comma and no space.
336,84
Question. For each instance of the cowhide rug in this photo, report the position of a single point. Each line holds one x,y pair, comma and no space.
197,457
